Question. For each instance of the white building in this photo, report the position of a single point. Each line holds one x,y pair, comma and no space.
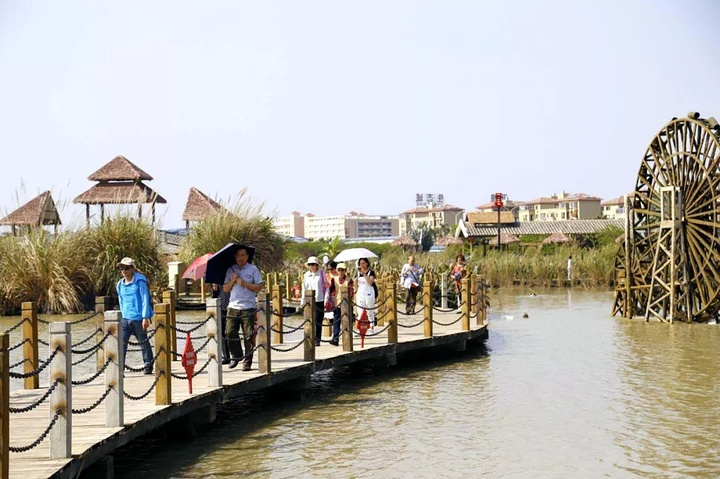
614,209
352,225
293,225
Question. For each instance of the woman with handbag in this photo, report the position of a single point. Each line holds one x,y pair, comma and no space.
410,275
366,292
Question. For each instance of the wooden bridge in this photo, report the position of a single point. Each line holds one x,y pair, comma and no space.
91,403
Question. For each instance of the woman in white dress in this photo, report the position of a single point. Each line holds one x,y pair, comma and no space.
366,292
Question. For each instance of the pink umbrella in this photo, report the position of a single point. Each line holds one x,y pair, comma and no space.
196,270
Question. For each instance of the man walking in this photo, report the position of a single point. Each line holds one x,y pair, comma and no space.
410,275
243,281
136,307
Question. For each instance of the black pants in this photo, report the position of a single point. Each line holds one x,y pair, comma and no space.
236,319
318,313
410,300
225,346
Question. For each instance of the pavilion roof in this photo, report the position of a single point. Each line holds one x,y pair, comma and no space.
120,169
40,210
199,206
556,237
120,192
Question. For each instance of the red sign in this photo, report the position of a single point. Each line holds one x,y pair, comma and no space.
189,359
499,200
363,326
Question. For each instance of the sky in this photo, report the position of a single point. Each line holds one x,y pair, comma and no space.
328,107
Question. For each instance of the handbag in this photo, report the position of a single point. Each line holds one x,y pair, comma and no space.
329,303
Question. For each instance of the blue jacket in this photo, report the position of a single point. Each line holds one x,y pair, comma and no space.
134,298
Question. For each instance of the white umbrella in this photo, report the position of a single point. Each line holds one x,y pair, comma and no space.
354,254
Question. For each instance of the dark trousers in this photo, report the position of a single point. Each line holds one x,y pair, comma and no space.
410,300
336,324
225,343
318,313
133,327
245,319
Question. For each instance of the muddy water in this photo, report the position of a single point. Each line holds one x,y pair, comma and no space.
568,392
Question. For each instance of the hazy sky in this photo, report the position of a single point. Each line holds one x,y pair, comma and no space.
327,107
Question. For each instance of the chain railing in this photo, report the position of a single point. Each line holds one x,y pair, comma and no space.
40,439
38,369
146,393
37,402
15,326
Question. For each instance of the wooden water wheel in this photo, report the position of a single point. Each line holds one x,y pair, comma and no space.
669,265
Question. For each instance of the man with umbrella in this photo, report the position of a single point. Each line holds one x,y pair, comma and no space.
243,281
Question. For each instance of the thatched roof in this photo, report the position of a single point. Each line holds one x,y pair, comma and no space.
557,238
490,217
447,241
40,210
404,241
120,169
505,238
119,193
199,206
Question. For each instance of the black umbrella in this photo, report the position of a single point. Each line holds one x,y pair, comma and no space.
219,263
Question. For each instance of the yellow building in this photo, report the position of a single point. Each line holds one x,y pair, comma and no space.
614,209
431,215
560,207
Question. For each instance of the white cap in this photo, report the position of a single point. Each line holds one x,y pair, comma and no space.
341,266
126,262
312,260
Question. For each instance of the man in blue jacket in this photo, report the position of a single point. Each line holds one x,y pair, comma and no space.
136,307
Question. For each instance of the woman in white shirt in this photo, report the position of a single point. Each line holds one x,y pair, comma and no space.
366,292
314,280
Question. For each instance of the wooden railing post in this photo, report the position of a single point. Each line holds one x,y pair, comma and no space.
287,285
474,294
308,306
277,317
163,389
467,301
346,322
4,410
102,304
264,332
30,348
443,291
114,404
392,312
379,316
428,308
61,398
482,318
170,298
214,347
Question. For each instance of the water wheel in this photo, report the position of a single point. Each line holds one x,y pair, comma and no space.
669,265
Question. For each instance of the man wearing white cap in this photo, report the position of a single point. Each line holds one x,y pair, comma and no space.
314,280
136,307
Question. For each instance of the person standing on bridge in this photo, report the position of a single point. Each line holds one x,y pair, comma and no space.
410,276
337,282
569,268
366,292
136,307
314,280
243,281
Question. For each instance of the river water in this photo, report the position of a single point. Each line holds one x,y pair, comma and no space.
568,392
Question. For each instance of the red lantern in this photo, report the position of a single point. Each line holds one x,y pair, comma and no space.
499,201
189,359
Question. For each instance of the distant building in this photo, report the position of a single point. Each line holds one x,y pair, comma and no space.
614,209
432,215
293,225
349,226
560,207
510,205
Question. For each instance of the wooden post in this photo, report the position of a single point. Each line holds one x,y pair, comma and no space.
268,282
169,297
30,348
276,278
4,411
308,310
443,291
428,310
263,332
202,290
61,398
482,317
163,389
287,284
466,293
114,405
474,294
214,332
381,312
277,317
101,305
392,312
346,322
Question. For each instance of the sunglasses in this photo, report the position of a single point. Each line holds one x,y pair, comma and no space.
124,268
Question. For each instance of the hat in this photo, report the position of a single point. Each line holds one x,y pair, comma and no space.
341,266
312,260
126,262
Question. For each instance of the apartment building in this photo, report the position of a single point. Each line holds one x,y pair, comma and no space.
351,225
510,205
431,215
560,207
614,209
293,225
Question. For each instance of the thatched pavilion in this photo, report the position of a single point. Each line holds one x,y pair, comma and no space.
556,238
40,211
198,207
407,243
448,241
119,182
505,239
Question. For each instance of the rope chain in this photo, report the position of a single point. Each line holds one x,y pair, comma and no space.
13,328
411,325
30,407
92,335
80,382
286,350
37,370
196,373
185,331
448,324
144,395
39,439
95,404
146,340
94,348
12,348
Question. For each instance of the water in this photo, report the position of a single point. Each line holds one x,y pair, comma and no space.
568,392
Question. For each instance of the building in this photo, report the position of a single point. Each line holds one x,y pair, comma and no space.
560,207
293,225
509,205
349,226
434,216
615,209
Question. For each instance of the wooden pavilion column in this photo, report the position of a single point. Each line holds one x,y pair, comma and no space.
87,214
